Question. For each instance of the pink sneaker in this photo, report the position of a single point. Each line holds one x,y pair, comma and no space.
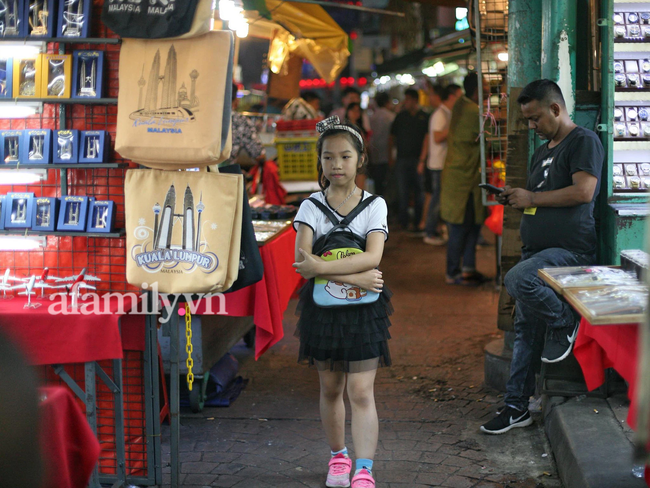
363,479
339,473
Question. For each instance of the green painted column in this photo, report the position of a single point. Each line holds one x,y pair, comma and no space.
559,46
524,66
524,42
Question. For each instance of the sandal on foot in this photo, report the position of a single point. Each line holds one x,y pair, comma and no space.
339,471
363,479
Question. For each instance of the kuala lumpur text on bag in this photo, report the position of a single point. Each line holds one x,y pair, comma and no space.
174,103
183,229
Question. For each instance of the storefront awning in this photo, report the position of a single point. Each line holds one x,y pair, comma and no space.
304,29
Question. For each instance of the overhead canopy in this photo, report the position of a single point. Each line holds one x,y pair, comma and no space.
304,29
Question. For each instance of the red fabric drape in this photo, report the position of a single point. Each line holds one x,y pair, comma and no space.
70,449
267,299
274,192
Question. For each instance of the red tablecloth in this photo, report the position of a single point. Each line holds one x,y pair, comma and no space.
608,346
50,338
266,300
70,449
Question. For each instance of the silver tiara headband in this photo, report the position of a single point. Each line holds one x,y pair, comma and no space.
334,123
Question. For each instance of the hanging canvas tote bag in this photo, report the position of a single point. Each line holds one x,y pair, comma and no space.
174,103
251,268
156,19
183,229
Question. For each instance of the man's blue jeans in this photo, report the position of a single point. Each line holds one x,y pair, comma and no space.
409,182
462,243
537,307
433,213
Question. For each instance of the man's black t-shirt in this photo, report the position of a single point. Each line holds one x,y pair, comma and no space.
409,131
570,228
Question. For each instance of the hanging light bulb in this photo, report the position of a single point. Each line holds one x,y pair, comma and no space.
226,9
242,30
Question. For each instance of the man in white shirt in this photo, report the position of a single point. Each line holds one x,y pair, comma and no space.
432,160
380,123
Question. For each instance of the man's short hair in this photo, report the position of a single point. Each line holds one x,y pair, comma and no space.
382,99
440,91
350,89
544,91
308,96
452,88
411,92
470,84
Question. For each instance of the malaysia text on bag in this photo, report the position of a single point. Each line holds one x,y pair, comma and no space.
157,19
183,229
174,103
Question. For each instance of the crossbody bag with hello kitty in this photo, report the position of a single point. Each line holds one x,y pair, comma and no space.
338,243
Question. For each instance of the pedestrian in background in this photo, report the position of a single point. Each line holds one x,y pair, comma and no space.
460,198
432,161
380,124
407,132
350,95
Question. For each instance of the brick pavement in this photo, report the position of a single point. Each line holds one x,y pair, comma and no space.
430,402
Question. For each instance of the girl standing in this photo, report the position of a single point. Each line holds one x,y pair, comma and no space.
346,343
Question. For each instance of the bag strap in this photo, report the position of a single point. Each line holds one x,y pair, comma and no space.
358,209
330,215
349,217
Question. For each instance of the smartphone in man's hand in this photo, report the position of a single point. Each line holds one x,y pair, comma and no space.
494,190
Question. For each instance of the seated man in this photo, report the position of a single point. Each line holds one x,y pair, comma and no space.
557,229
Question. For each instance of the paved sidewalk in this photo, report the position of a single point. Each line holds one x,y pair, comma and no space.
430,403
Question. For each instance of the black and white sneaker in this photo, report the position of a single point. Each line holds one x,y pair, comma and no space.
509,418
559,343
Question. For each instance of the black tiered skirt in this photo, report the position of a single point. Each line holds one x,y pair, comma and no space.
351,339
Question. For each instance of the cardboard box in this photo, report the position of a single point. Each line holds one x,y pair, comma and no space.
12,17
74,18
45,213
88,74
56,73
27,75
39,18
18,214
6,78
66,146
93,146
101,216
73,213
37,144
12,148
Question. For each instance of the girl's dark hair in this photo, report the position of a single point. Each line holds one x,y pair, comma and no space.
356,143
